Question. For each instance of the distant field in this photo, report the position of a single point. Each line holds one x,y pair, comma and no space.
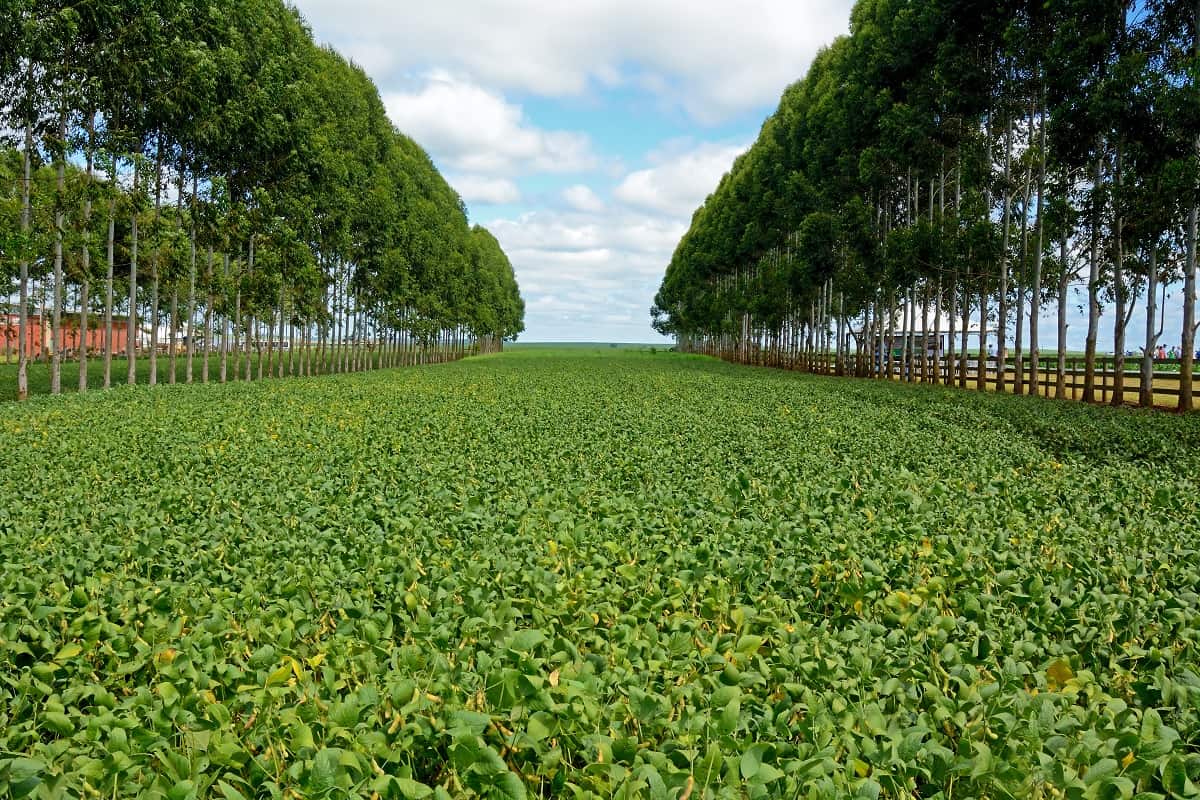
588,346
596,573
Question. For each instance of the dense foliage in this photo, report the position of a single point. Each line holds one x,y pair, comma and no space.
596,575
956,166
208,171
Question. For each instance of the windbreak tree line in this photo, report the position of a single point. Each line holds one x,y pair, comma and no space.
206,174
957,167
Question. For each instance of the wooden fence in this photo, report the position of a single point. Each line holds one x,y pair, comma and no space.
1019,379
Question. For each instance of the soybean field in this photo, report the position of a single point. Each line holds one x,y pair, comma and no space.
603,573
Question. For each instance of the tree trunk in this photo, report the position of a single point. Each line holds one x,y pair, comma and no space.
173,336
1089,374
981,372
225,332
1002,310
154,264
23,288
131,332
1064,282
249,320
1035,300
208,316
1119,317
56,331
86,258
1188,340
191,295
1187,357
1146,387
108,288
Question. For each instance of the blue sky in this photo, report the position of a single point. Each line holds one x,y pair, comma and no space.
584,134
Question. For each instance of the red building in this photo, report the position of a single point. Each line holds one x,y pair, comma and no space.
39,342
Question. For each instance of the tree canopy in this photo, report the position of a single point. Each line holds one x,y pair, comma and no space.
225,179
968,161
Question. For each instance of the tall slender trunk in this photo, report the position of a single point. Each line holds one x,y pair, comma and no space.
173,336
60,200
131,332
1002,310
1121,296
191,296
1020,278
1035,300
889,344
108,286
154,263
224,371
1146,383
981,372
1089,375
1064,282
86,257
208,315
1187,358
249,316
23,286
1188,340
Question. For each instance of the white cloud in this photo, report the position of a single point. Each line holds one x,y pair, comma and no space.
476,131
712,58
678,180
586,271
582,198
485,191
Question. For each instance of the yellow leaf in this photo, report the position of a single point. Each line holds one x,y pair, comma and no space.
279,676
316,660
1127,760
1057,675
70,651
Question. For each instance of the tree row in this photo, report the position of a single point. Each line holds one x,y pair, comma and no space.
941,178
203,182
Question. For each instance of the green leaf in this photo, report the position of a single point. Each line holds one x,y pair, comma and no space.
752,760
68,652
228,792
509,787
413,790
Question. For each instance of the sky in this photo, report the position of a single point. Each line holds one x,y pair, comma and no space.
584,133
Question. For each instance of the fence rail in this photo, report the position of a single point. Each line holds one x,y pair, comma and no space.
1165,383
1017,378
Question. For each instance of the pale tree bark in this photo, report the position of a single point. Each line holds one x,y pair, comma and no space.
1064,281
108,285
1188,340
23,287
191,295
1035,300
1019,340
154,264
224,371
1146,387
1002,310
1089,376
208,316
86,259
56,332
1119,318
131,332
1187,360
